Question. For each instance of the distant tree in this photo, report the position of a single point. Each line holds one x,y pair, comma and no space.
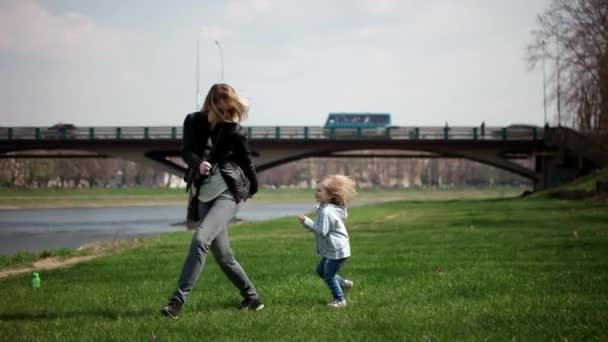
574,35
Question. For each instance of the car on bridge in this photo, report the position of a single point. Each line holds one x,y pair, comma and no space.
59,131
516,131
357,125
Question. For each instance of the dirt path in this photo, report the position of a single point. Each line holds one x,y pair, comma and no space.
96,249
47,264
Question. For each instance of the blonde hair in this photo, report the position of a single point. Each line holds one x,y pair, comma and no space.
223,104
340,189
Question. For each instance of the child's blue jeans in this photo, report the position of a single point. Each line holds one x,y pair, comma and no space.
328,269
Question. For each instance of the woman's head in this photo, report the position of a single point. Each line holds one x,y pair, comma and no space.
335,189
223,104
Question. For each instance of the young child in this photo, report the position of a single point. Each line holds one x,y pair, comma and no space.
332,245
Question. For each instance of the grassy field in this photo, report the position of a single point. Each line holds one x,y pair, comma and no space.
11,198
505,269
582,188
27,258
58,198
22,260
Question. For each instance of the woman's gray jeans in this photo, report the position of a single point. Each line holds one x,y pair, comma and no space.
212,235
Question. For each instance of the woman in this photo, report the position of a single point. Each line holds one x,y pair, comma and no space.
216,148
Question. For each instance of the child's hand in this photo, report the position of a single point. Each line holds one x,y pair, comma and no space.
302,218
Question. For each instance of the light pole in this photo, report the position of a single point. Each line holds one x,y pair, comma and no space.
198,84
559,102
544,44
198,57
219,46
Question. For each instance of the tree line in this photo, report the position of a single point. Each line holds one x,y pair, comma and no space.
368,172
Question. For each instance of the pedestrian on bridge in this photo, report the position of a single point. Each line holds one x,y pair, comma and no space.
222,173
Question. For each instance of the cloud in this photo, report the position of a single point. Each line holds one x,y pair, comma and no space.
29,29
246,10
370,32
215,33
382,7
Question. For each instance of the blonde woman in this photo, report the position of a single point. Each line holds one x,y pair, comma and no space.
223,175
331,237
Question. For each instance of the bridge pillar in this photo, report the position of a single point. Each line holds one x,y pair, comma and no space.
557,170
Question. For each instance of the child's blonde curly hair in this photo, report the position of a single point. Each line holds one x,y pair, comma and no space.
340,189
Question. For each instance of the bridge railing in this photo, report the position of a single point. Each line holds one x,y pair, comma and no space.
277,133
90,133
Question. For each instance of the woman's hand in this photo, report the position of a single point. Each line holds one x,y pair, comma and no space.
204,168
302,218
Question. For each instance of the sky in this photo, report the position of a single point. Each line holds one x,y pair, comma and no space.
133,62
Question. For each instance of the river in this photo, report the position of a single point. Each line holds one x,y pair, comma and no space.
36,230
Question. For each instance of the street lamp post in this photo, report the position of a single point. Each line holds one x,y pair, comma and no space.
198,84
198,57
559,102
544,44
219,46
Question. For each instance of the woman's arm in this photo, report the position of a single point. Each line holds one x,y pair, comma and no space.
245,162
188,140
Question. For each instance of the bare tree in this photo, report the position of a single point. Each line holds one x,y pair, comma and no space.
574,34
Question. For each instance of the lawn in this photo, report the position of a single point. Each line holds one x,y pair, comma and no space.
505,269
11,198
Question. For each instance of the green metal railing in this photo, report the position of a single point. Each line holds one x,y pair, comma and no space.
279,133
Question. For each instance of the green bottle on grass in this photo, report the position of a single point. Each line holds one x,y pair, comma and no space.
36,280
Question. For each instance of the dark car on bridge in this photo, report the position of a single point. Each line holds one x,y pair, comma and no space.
517,131
353,125
60,131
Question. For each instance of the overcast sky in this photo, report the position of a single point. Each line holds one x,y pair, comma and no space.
132,62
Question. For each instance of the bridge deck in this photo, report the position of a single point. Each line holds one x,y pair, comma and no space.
11,134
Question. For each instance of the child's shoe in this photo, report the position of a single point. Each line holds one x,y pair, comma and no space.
347,286
337,304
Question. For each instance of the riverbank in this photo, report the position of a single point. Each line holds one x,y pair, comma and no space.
141,197
26,263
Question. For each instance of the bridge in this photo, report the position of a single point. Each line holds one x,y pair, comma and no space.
555,161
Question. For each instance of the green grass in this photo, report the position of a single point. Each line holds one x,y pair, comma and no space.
368,195
89,192
518,269
582,188
99,197
587,183
27,258
88,197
